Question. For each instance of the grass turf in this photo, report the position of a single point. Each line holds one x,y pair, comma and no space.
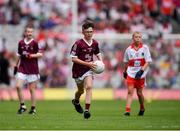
106,115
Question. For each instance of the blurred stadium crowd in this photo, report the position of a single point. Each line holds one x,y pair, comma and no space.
52,20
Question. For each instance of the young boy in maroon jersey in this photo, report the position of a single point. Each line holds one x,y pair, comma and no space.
82,57
27,68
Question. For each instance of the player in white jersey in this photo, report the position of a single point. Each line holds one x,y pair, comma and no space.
136,58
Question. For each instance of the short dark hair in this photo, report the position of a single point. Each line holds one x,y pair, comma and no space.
87,24
29,26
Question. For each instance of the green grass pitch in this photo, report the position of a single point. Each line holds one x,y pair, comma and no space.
106,115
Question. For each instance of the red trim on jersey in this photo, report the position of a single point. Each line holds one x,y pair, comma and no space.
137,48
132,62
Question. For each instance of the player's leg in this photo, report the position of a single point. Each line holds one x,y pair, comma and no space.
141,101
79,92
129,99
32,88
32,83
19,85
88,83
140,85
130,87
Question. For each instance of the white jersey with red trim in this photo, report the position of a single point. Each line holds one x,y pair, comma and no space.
136,58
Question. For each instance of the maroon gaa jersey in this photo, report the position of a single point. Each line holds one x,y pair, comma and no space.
28,66
84,52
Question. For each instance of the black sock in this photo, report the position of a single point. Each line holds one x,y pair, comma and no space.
32,107
87,106
22,104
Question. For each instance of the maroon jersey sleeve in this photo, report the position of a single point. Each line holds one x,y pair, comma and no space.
74,50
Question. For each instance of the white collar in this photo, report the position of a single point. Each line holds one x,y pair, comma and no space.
27,42
89,44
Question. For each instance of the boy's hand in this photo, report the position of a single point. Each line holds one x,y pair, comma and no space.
92,65
139,74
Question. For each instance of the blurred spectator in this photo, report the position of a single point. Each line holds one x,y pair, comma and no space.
5,80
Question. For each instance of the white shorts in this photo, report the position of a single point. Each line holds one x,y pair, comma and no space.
28,78
80,79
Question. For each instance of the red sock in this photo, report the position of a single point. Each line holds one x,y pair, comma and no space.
128,109
142,107
87,106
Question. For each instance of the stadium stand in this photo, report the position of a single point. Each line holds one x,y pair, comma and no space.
53,21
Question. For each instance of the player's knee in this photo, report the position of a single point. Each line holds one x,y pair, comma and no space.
31,89
88,87
139,93
130,92
17,87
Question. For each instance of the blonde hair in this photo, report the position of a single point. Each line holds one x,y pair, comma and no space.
136,32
